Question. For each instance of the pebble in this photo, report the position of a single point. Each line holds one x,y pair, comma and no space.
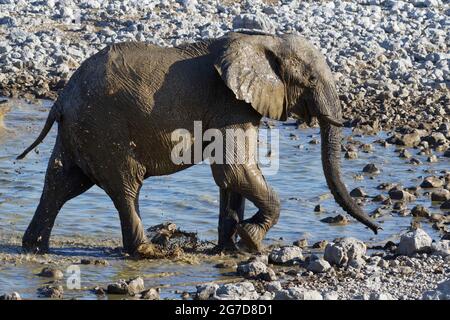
358,193
151,294
371,168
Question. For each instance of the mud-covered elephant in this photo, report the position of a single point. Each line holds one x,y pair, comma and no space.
118,111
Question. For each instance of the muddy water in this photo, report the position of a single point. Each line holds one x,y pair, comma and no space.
88,226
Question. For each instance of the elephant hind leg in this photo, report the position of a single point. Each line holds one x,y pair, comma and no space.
63,181
247,180
232,205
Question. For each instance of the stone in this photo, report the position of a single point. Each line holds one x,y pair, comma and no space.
351,155
250,21
150,294
339,219
206,291
358,193
407,140
301,243
252,269
318,208
399,194
441,248
285,254
440,195
131,287
404,153
135,286
431,182
330,296
11,296
49,272
50,291
296,293
318,266
371,168
420,211
320,244
381,296
344,251
236,291
414,241
273,286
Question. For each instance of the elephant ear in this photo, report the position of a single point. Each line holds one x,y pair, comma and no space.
250,69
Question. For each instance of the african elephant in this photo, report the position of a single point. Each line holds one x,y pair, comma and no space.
116,115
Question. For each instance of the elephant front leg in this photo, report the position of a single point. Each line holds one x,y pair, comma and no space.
232,207
248,181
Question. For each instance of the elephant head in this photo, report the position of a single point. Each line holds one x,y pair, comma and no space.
282,75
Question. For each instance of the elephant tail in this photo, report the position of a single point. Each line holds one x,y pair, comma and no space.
52,117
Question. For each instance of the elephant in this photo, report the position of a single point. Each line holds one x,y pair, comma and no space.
116,114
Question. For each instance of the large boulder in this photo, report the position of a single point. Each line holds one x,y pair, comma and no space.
344,252
414,241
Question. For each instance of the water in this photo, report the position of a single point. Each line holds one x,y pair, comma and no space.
188,198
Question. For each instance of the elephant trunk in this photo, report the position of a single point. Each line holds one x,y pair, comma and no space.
331,153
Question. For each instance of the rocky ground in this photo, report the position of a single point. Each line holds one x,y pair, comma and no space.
413,268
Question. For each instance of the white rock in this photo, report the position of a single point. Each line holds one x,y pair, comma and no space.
345,251
414,241
441,248
330,296
318,266
136,285
206,291
285,254
252,269
239,291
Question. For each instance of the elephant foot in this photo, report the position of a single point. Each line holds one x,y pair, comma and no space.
148,251
33,246
251,235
